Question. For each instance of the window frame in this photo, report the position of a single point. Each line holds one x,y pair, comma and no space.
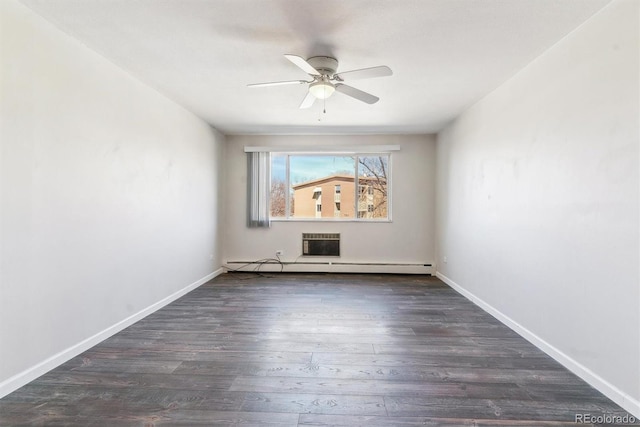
357,166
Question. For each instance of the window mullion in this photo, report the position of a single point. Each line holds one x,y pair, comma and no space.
287,198
356,181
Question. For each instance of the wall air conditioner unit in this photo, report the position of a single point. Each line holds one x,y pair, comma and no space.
321,244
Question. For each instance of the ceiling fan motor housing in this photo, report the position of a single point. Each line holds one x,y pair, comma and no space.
326,65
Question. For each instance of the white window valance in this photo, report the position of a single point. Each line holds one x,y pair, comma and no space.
338,149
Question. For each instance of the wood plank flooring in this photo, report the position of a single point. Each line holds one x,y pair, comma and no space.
311,350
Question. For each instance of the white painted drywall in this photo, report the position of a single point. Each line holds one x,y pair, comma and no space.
110,194
538,201
409,238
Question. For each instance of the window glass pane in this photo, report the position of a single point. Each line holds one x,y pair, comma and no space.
278,195
314,180
373,186
325,187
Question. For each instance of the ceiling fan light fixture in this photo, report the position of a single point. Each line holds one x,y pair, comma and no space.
324,79
322,89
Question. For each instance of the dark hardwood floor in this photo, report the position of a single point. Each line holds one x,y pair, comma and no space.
311,350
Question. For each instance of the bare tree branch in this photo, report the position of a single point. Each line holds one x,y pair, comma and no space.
375,169
278,198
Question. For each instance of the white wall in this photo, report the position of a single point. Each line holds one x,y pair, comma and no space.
109,195
538,202
409,238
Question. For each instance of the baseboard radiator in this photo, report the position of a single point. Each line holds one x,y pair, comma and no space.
306,266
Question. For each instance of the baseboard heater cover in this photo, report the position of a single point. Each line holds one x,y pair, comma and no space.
330,267
402,264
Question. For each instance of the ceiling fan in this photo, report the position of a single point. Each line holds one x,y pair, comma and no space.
325,80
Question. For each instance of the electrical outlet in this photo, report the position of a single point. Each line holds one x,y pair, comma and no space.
279,252
444,259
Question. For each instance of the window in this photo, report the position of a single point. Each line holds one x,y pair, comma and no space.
356,185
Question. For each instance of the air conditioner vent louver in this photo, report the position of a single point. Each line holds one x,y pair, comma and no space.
321,244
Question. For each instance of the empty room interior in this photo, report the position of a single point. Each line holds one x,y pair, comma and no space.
283,212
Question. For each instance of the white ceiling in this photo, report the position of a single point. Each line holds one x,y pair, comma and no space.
445,54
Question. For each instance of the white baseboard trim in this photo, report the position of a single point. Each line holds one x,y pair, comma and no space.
15,382
612,392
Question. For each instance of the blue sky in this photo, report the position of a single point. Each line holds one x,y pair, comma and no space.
306,168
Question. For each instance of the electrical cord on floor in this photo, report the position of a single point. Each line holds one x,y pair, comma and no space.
259,263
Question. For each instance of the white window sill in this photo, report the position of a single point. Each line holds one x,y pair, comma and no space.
331,220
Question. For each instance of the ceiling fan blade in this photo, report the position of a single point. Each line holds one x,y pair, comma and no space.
303,64
288,82
307,101
357,94
365,73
